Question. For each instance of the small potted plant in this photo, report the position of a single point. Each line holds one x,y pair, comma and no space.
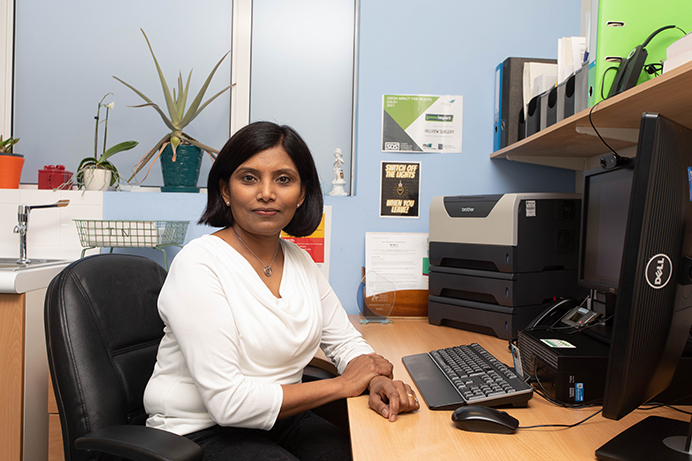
97,172
6,144
10,164
180,153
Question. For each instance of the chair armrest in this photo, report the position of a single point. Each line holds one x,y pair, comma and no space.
324,364
312,373
319,368
140,443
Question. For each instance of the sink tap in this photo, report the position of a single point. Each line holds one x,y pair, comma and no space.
23,225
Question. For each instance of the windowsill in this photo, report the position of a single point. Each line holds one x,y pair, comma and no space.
123,188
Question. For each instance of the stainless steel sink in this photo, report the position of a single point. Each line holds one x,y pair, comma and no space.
11,264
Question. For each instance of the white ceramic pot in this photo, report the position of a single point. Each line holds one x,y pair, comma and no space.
97,178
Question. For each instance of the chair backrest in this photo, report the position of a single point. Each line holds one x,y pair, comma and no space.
102,333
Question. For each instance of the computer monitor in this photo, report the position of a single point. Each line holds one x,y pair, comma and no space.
605,200
652,315
605,208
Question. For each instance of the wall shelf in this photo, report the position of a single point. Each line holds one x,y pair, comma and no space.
561,145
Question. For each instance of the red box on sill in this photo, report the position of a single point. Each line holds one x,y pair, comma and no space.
51,177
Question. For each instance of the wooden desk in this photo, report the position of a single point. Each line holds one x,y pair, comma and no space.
430,435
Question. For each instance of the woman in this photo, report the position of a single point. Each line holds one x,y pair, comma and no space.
245,311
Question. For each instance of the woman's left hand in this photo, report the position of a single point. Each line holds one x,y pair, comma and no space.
389,397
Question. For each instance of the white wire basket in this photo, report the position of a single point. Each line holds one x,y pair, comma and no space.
131,234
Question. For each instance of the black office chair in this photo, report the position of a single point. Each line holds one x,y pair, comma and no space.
102,334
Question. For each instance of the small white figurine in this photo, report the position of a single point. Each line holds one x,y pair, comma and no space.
338,161
338,181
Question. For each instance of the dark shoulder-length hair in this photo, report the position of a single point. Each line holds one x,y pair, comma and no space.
248,141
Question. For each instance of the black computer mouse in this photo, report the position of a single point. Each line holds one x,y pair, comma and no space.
475,418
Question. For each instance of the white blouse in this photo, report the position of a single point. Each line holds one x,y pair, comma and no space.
229,343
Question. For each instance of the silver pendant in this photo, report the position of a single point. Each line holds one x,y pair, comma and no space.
268,271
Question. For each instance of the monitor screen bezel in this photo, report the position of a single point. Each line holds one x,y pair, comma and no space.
588,176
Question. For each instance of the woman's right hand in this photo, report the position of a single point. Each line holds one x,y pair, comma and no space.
362,369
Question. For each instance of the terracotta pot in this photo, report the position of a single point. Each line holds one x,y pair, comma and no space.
10,170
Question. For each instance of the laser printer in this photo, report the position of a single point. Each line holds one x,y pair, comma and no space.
497,261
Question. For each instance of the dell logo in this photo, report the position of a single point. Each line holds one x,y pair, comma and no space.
467,209
659,270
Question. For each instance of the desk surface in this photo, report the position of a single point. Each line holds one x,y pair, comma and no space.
431,435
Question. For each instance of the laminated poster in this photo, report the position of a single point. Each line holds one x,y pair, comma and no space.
421,123
400,190
318,243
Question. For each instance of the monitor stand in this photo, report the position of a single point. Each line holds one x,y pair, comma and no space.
652,438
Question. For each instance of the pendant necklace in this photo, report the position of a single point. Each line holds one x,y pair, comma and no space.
267,269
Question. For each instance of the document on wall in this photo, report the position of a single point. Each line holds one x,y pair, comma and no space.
398,259
421,123
318,243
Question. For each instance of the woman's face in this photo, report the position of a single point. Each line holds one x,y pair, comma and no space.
264,192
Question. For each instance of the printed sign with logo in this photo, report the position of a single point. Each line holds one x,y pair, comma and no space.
421,123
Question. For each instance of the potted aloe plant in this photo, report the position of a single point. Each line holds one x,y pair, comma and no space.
180,153
97,172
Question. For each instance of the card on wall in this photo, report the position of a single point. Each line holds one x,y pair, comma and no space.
400,190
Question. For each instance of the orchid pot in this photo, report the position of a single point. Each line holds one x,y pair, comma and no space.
97,179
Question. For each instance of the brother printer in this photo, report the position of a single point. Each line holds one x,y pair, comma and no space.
497,261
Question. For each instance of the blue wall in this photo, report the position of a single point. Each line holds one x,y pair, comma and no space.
439,47
414,47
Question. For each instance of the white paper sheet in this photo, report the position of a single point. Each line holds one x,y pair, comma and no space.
396,258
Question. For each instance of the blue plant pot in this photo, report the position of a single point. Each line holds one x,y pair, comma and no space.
183,174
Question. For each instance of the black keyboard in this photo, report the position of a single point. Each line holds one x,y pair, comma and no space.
465,375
